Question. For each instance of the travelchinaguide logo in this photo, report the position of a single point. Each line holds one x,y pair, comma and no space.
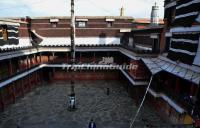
105,63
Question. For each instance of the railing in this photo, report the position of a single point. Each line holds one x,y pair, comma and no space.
30,63
185,101
137,78
138,51
79,60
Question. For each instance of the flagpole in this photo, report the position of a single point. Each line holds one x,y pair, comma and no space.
72,98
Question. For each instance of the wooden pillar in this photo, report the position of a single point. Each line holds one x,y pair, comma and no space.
29,82
192,89
36,82
36,77
19,64
35,59
27,62
24,64
197,93
53,54
177,86
67,58
94,57
54,70
108,54
13,92
10,67
80,58
40,57
31,61
39,78
22,86
50,76
49,58
2,99
134,71
84,58
33,80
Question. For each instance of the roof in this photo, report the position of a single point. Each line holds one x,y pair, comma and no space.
146,20
64,41
187,72
105,17
150,29
81,17
11,21
23,43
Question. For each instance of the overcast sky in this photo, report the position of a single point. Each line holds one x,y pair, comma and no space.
134,8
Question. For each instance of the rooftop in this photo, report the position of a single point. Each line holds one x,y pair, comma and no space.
146,20
68,17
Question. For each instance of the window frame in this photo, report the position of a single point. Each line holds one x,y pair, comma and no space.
109,24
81,24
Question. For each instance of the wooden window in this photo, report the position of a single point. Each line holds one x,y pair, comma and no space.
81,24
4,33
54,24
109,24
173,14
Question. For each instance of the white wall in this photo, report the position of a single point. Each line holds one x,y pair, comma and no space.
80,41
23,42
197,58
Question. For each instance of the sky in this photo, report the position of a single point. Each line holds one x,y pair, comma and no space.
35,8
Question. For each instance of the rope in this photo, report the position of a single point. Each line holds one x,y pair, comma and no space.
23,5
133,121
100,7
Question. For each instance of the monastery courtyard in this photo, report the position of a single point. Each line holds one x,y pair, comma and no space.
46,107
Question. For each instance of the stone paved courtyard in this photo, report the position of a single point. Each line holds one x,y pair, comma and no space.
46,107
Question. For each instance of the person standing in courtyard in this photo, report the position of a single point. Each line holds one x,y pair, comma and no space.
108,91
92,124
